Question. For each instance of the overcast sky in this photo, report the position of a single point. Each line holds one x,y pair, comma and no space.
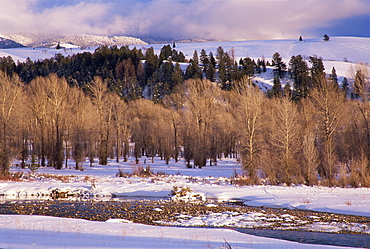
179,19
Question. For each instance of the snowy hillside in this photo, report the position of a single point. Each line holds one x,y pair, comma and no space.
351,49
6,43
342,53
339,52
49,40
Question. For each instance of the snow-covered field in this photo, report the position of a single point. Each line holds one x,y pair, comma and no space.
211,181
51,232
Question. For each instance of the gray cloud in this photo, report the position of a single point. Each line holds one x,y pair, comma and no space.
173,19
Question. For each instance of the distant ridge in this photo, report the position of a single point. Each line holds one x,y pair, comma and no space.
150,40
50,40
7,43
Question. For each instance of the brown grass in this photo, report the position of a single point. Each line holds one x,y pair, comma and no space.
15,177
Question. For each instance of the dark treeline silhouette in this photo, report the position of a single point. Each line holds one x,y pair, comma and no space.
117,102
134,73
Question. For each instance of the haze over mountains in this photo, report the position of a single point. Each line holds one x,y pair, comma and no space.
51,40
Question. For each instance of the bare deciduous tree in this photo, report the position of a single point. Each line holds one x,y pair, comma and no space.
310,156
203,103
285,139
10,92
82,125
121,127
38,105
100,99
249,115
329,102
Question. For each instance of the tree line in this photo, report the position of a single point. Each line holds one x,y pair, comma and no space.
134,73
313,131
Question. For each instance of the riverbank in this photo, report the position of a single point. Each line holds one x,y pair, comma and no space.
270,222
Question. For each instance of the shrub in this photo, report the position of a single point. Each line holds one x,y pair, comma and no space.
139,170
180,191
12,177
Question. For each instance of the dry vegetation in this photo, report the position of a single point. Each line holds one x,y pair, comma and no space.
324,137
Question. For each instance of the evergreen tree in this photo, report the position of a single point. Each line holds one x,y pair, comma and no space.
287,90
151,62
208,63
211,73
317,70
195,59
177,56
221,61
299,70
345,85
263,64
220,54
279,65
165,53
212,59
205,62
276,88
7,65
164,73
204,57
193,71
177,76
248,67
241,62
231,71
334,76
181,57
359,85
258,66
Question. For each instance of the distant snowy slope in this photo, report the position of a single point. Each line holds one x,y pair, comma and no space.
28,39
338,52
6,43
354,49
49,40
98,40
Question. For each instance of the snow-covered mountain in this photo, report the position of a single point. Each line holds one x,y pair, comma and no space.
50,40
6,43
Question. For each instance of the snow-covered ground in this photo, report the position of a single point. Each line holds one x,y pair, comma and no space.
210,181
50,232
340,52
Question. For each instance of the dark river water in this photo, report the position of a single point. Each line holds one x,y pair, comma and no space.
336,239
141,211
